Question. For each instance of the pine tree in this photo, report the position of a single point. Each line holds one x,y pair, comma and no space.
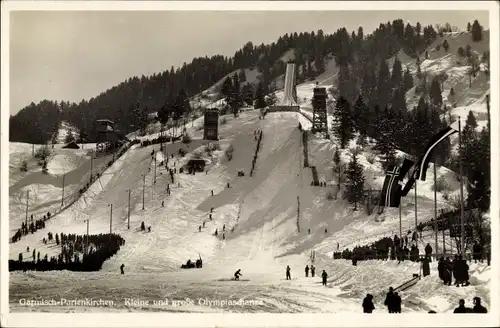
397,74
259,100
468,150
477,31
355,181
242,76
461,52
227,87
360,117
407,80
69,137
343,128
247,94
471,120
383,85
468,27
386,137
435,93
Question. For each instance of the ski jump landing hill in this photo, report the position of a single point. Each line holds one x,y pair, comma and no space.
289,102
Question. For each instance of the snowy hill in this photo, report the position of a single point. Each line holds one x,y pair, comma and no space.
260,237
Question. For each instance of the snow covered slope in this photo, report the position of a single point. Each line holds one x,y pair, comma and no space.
260,235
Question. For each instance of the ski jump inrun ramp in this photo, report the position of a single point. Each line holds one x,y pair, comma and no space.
289,102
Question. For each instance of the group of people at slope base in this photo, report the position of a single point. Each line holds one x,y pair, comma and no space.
288,273
312,268
393,303
458,269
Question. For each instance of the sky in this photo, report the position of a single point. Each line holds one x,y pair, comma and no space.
75,55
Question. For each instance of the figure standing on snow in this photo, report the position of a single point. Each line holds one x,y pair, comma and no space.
313,270
397,303
307,271
368,306
237,274
121,268
390,300
324,275
288,275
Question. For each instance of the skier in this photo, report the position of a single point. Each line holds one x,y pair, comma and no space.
216,232
149,229
224,227
288,275
199,229
368,306
210,217
223,236
324,275
237,274
143,227
212,192
307,271
313,270
162,203
203,224
211,210
121,268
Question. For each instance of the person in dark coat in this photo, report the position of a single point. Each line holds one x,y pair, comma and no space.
428,250
307,271
288,275
368,306
456,274
447,272
441,269
478,308
237,274
390,300
121,268
397,303
461,307
426,270
324,276
313,270
477,253
463,271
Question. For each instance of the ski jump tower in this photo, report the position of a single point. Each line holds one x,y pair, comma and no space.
320,120
289,102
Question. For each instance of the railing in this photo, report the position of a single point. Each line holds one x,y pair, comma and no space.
256,154
75,196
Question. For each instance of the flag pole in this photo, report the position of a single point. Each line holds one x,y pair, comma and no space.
400,226
462,232
435,211
416,181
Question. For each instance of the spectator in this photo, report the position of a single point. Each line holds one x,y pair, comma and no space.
461,307
390,300
478,308
368,306
397,303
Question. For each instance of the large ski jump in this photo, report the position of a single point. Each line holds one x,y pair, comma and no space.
289,101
